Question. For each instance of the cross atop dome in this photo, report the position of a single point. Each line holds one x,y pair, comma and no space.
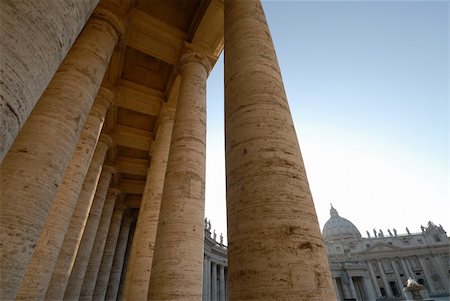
333,211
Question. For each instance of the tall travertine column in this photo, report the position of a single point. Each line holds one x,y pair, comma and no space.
140,263
93,265
213,281
34,167
178,257
275,246
87,242
35,36
72,239
108,254
221,283
119,256
39,272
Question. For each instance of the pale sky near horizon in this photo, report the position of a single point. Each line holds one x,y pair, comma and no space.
367,84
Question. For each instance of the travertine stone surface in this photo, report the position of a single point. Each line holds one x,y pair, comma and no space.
39,272
93,266
72,239
275,247
119,256
34,167
140,263
177,270
31,54
108,254
87,242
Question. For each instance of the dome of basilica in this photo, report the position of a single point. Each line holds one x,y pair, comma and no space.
338,227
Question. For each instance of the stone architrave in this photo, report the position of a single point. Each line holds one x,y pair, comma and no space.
31,65
118,262
93,266
108,254
140,263
33,169
180,236
39,272
275,247
87,242
72,239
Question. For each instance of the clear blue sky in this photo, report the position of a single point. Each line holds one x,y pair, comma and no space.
367,84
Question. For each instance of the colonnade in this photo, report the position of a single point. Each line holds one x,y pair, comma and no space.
214,280
64,227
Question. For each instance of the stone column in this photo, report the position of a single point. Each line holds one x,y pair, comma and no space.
206,272
387,288
408,265
336,289
35,37
371,294
108,254
397,277
426,273
374,280
119,256
352,287
179,242
440,269
85,248
140,263
28,177
221,283
39,272
213,281
275,247
72,239
405,268
93,266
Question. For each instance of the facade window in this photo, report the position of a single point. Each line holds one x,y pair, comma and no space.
420,241
420,281
394,288
390,243
437,238
383,292
367,245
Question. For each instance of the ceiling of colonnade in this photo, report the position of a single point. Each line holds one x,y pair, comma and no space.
143,72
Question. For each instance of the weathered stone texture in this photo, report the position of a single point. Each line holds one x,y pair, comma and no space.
33,169
87,242
275,248
177,270
42,264
72,239
108,254
27,68
118,262
93,265
141,256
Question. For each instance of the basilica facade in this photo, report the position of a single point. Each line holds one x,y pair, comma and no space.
375,267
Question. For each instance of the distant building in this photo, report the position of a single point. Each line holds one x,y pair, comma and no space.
378,267
375,267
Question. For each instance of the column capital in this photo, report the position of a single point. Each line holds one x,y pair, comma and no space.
193,56
109,169
106,97
106,139
112,191
116,22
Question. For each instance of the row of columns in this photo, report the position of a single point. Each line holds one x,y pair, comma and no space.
214,281
275,247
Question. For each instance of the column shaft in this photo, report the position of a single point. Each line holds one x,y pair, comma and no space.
72,239
39,272
352,287
87,242
431,288
119,256
36,36
108,254
138,278
221,283
405,268
336,288
397,277
275,247
93,266
213,281
387,288
179,242
33,169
